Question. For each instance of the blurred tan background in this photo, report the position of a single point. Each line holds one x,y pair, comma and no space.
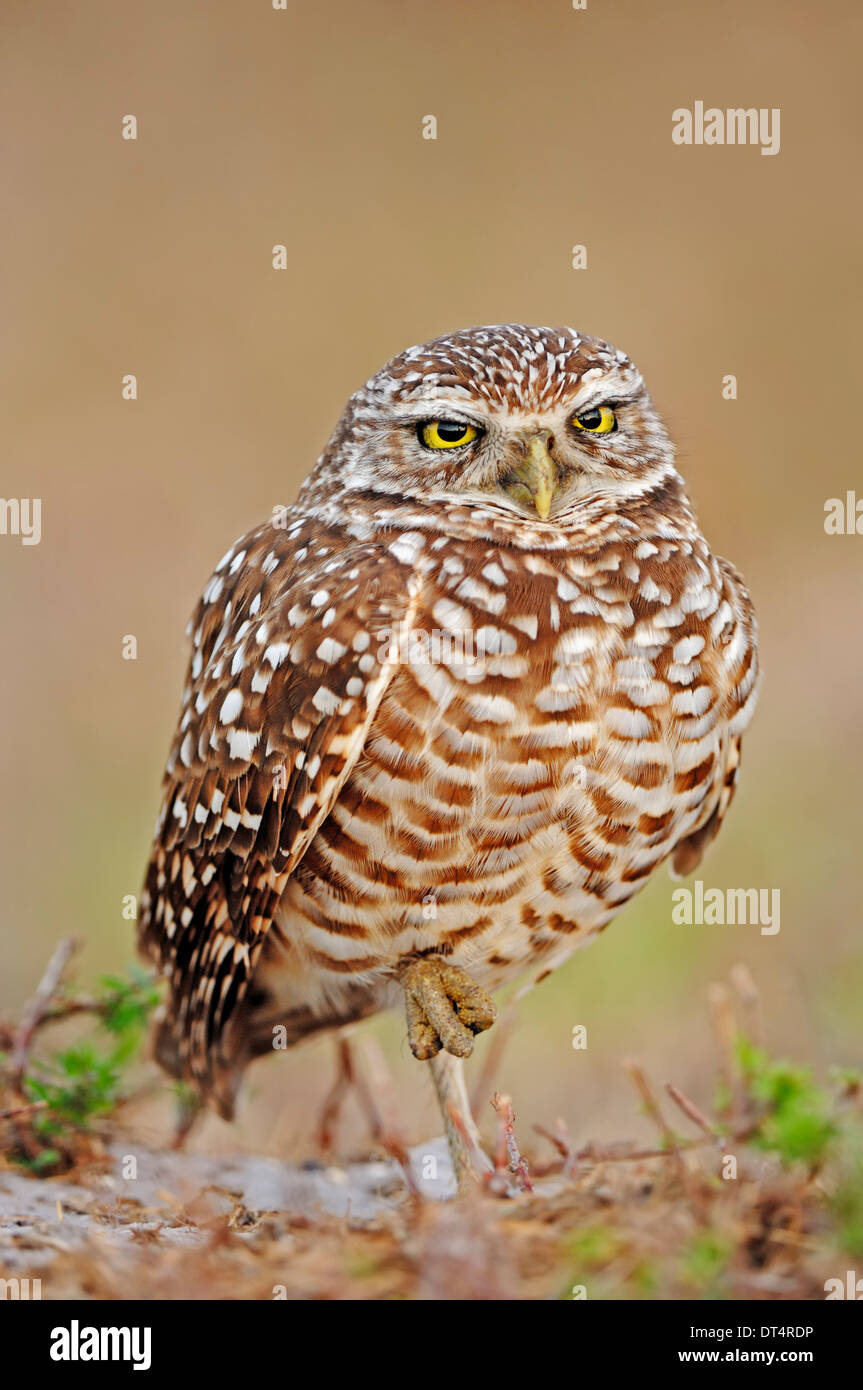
304,128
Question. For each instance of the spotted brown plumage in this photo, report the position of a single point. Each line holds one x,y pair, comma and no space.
459,703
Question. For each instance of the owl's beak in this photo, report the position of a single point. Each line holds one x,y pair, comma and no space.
535,480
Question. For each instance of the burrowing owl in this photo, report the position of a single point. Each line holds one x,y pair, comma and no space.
446,714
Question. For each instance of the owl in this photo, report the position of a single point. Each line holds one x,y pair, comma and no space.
448,713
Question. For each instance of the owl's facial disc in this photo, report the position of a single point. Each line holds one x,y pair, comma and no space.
541,462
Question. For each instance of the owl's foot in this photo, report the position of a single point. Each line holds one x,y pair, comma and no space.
445,1009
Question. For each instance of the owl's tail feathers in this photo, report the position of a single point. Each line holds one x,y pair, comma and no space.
257,1029
220,1086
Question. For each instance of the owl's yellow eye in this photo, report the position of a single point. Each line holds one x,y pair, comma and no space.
600,420
446,434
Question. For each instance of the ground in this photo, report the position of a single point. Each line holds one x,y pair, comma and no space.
759,1197
192,1227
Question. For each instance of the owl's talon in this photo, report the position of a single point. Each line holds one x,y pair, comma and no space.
445,1009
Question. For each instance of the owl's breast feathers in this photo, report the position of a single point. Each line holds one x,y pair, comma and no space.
539,729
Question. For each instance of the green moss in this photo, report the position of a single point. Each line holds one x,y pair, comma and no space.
592,1247
847,1202
797,1116
705,1260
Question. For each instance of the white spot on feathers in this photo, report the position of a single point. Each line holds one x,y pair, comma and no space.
325,701
231,706
408,547
276,653
242,743
330,650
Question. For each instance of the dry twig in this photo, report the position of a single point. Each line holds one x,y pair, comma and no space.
508,1143
39,1006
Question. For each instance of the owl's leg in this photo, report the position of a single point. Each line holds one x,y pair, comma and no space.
372,1095
469,1161
344,1080
445,1009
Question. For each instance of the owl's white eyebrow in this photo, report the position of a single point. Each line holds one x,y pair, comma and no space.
428,410
604,393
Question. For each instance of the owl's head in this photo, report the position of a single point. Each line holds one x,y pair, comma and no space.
534,424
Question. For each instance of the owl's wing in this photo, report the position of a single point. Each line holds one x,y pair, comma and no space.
290,661
736,677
